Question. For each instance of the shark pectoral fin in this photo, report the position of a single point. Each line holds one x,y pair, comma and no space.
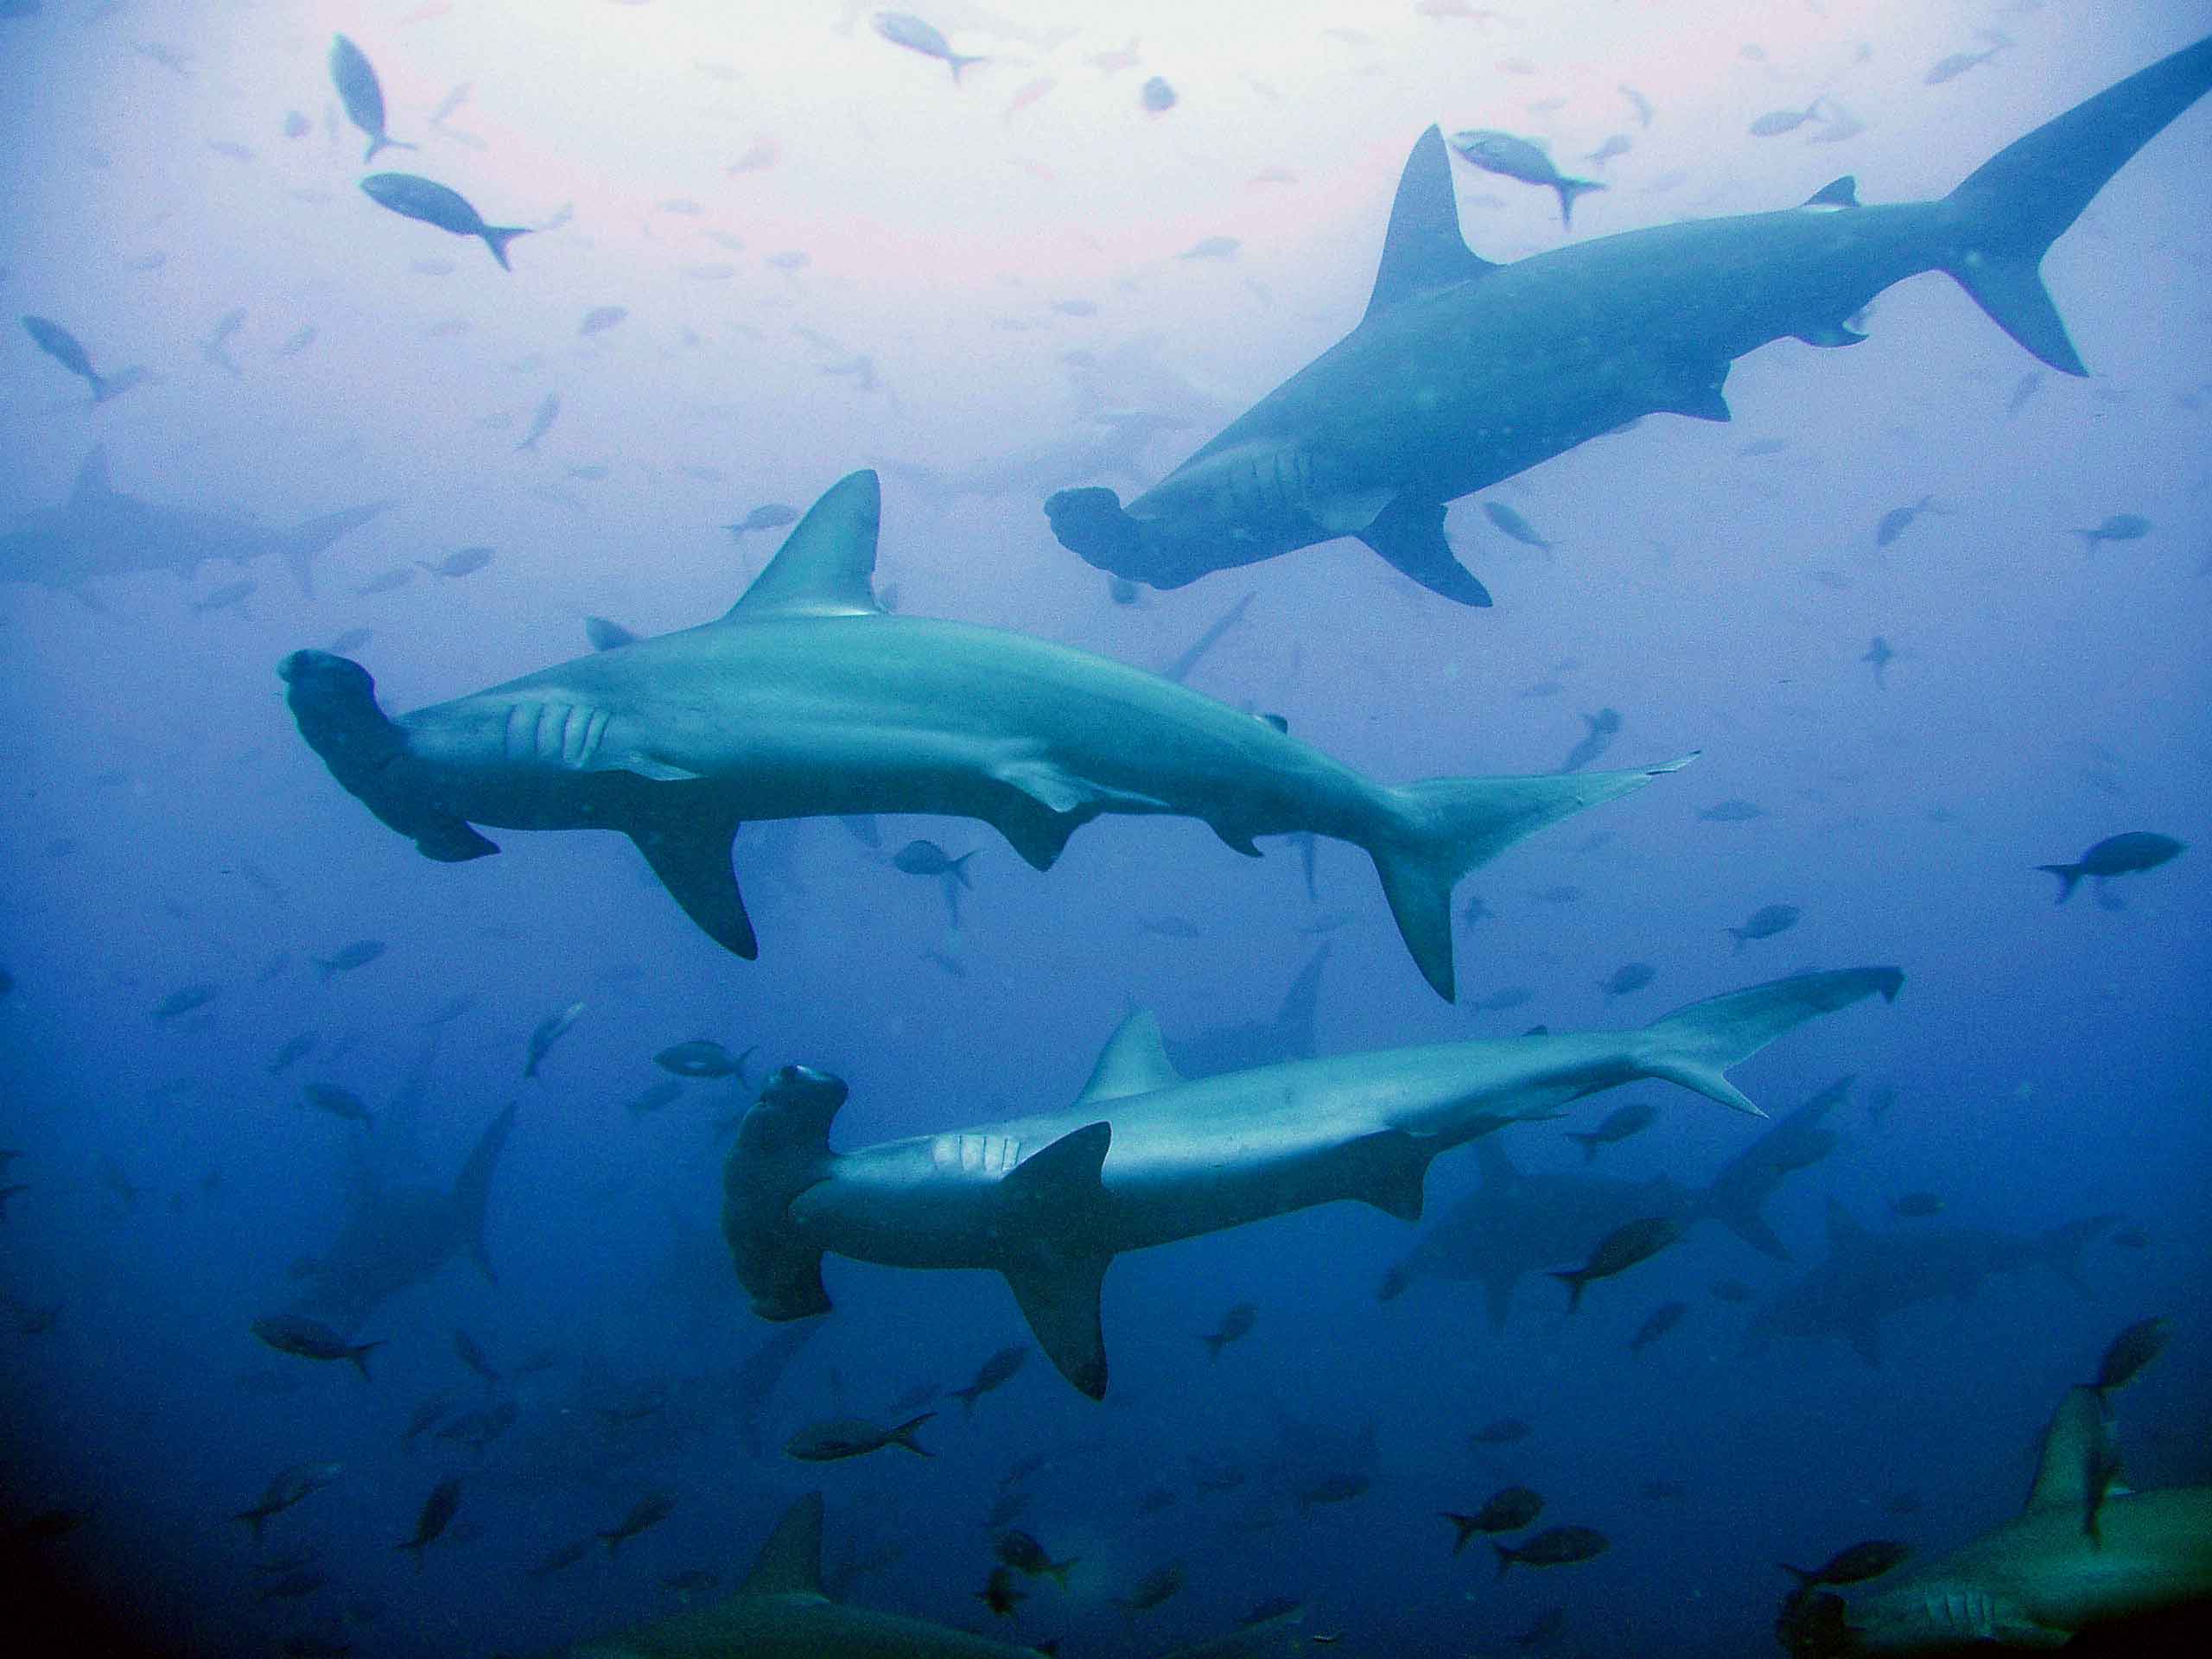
1347,515
1052,787
1833,334
692,857
1409,537
1388,1169
1055,1198
645,766
790,1563
450,841
1754,1229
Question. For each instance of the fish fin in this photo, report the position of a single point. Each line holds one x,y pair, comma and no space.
496,238
608,636
1447,826
1755,1230
1832,334
1134,1062
1568,189
1701,403
472,1190
1423,249
1034,830
2069,876
1695,1045
1464,1527
1837,193
1056,1194
1409,537
1054,788
826,566
903,1435
692,859
359,1355
1574,1278
1347,515
2074,1438
790,1563
1388,1169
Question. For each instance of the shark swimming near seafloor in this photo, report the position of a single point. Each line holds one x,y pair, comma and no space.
100,531
1463,373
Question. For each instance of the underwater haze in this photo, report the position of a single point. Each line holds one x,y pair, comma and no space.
406,1250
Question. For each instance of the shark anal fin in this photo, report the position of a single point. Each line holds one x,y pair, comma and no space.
790,1563
1423,249
1409,537
692,857
1388,1169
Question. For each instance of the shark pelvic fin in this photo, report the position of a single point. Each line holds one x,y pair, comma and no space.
790,1563
1134,1062
1056,1278
1409,537
692,857
826,566
1423,250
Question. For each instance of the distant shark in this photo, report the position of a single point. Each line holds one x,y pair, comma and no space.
99,531
1463,372
1868,1276
1516,1224
399,1236
1289,1036
1146,1156
2079,1557
807,700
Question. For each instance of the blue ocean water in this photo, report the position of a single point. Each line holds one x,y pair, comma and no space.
1929,610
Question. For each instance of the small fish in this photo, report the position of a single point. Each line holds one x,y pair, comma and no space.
1157,97
1619,1251
667,1092
1957,64
306,1338
549,1031
2124,854
1640,104
854,1437
465,1348
1619,1125
359,954
66,349
1513,157
215,347
772,515
600,318
695,1581
1026,1555
1153,1588
1169,927
1775,123
1764,923
1616,144
540,422
927,858
1235,1324
1732,810
184,1000
1211,247
342,1103
2131,1351
1915,1206
1513,524
296,125
357,89
2132,1238
1554,1547
463,562
1897,520
1879,655
996,1371
452,1009
286,1490
389,582
903,28
2025,389
999,1593
1331,1488
228,597
1508,1511
290,1586
567,1556
2119,527
1027,93
414,197
1499,1001
1664,1318
1852,1565
437,1510
702,1058
648,1511
1603,727
1502,1431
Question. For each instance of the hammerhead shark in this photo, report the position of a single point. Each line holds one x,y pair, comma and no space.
101,531
1289,1036
2084,1553
1463,373
807,700
399,1236
1146,1156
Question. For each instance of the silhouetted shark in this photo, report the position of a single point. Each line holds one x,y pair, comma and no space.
399,1237
1869,1275
1463,373
1289,1036
100,531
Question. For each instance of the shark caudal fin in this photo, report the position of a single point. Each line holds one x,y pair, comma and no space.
1054,1201
783,1148
1445,827
2022,200
1695,1045
472,1190
307,540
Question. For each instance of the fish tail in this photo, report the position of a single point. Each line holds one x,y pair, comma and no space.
1464,1527
1058,1571
2012,207
904,1435
1806,1581
1441,828
958,63
2069,876
1695,1045
1590,1143
1568,190
1574,1278
380,143
496,238
359,1356
1505,1556
253,1518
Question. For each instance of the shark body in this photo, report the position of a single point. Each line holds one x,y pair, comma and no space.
1145,1156
807,700
100,531
1463,373
399,1236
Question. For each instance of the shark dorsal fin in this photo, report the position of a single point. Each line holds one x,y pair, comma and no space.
1423,250
790,1563
1837,193
2073,1446
91,479
1134,1062
1844,1230
826,566
606,635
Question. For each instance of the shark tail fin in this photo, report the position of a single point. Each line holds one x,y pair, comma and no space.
2069,877
471,1189
496,238
1057,1269
2013,207
1444,827
1694,1046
